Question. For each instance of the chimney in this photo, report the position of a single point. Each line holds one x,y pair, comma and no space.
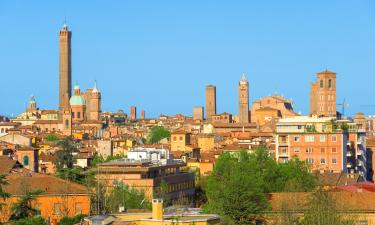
157,209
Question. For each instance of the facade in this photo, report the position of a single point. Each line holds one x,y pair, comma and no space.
145,169
198,113
222,118
180,141
323,95
243,101
59,198
210,101
271,108
65,82
325,143
143,114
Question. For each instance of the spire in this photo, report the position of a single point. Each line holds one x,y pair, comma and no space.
243,77
95,88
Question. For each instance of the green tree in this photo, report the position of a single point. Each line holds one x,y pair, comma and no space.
237,186
31,221
322,210
235,189
74,174
3,194
129,198
52,137
64,156
157,133
71,220
23,207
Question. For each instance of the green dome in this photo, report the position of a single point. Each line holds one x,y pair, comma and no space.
77,100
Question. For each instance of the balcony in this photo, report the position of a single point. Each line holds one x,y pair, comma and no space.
360,153
283,144
349,154
349,165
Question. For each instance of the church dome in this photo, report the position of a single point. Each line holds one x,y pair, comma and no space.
77,100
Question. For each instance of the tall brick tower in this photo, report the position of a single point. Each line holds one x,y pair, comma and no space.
323,94
243,100
210,101
65,81
93,103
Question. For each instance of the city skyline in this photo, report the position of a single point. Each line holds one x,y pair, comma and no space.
94,58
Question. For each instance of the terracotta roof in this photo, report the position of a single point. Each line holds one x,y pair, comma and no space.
7,164
9,124
346,201
47,122
50,185
337,179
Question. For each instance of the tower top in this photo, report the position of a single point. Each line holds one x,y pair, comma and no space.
95,88
65,27
243,79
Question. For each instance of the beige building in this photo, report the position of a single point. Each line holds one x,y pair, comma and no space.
243,101
198,113
210,101
323,94
271,108
180,141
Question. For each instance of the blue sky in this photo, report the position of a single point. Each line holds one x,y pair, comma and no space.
159,55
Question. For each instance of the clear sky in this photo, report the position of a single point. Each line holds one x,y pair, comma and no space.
159,55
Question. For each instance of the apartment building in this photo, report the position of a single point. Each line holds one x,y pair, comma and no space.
145,169
324,142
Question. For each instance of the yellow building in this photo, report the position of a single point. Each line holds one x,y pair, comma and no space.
180,141
156,217
206,142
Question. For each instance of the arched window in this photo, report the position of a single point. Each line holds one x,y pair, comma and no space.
329,83
321,83
26,160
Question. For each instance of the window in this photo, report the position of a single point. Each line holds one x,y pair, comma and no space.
181,138
323,161
334,138
309,138
296,149
57,208
296,138
283,150
309,150
67,124
330,83
322,150
322,138
321,84
78,208
78,115
26,160
310,160
334,150
72,114
174,139
334,161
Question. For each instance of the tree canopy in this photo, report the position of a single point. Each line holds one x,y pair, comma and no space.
64,156
237,187
157,133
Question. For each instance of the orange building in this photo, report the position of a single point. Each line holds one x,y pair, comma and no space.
59,197
324,143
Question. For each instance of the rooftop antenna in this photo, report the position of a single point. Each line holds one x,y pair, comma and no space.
344,105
